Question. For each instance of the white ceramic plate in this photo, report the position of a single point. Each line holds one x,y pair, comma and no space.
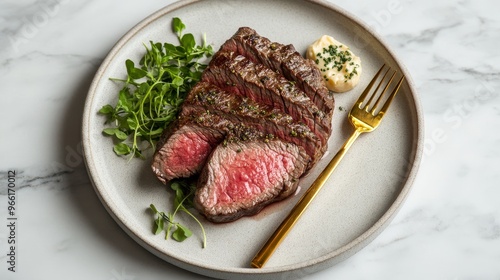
361,197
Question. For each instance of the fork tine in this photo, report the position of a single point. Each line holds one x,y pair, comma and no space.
367,89
391,97
376,90
383,92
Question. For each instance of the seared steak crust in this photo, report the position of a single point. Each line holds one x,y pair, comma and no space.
238,110
237,74
286,60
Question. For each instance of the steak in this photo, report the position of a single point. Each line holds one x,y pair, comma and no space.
241,178
184,147
183,150
237,110
258,120
237,74
286,60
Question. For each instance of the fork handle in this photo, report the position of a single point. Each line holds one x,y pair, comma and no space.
281,232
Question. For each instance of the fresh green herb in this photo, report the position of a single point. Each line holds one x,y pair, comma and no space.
184,193
153,91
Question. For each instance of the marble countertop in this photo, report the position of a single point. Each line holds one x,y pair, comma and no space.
449,227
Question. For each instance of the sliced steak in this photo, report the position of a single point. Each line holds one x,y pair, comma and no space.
183,150
286,60
185,146
237,74
257,121
236,109
241,178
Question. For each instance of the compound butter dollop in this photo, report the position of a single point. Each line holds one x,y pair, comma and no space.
340,68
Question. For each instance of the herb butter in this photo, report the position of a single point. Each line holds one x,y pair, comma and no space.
340,68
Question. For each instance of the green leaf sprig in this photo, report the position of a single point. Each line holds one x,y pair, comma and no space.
153,91
184,193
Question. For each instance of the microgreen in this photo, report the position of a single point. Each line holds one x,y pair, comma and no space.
153,91
184,193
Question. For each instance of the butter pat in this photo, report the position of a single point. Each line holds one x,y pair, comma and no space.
341,69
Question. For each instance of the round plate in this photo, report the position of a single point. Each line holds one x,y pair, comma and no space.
361,197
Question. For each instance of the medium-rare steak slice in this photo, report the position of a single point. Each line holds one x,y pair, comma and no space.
236,109
241,178
183,150
235,73
286,60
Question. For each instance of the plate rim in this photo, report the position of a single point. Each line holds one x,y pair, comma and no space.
322,262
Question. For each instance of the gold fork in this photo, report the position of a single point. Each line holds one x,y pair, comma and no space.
364,118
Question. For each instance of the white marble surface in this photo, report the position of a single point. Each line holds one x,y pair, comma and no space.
449,228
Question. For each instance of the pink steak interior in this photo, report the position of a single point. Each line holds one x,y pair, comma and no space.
247,173
187,154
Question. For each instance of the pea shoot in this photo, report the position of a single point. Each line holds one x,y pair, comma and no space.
184,193
153,91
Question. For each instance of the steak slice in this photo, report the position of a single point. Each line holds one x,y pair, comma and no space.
183,150
236,109
240,178
237,74
286,60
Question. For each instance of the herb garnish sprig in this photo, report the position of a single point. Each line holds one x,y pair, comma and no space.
184,193
154,90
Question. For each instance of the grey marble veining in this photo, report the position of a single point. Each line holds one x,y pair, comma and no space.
449,228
